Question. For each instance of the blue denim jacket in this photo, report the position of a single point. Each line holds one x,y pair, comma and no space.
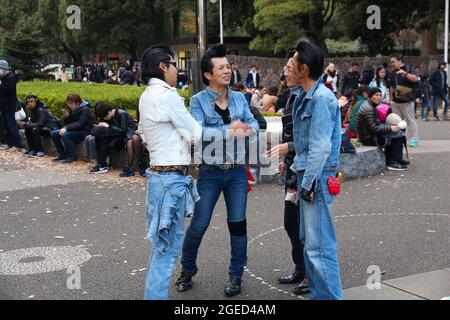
215,131
317,133
171,196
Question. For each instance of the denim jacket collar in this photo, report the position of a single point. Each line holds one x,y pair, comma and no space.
312,90
296,90
214,94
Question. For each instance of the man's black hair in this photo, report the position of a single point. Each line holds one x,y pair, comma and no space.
354,64
151,60
32,96
397,56
311,55
216,51
102,109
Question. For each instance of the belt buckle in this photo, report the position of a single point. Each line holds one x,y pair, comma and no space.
184,170
228,166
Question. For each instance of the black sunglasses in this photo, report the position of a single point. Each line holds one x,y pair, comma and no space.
171,63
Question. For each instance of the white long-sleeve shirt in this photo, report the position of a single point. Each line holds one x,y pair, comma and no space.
166,126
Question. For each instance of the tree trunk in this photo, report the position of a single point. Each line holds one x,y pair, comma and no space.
76,56
429,41
176,25
316,30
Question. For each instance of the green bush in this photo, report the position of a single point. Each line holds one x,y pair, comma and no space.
54,94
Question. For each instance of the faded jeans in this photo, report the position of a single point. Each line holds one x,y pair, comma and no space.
319,237
169,197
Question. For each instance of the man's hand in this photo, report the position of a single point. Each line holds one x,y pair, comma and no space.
282,169
308,195
281,151
21,125
62,132
239,128
395,129
402,72
103,124
65,114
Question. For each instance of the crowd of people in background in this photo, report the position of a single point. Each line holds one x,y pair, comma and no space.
377,108
101,130
126,74
393,87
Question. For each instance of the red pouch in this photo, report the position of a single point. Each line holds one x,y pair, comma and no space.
334,186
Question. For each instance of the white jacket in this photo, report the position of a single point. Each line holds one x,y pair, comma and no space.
166,127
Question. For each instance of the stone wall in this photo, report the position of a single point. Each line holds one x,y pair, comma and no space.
271,68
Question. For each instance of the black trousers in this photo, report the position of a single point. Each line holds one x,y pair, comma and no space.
292,227
104,146
393,150
34,138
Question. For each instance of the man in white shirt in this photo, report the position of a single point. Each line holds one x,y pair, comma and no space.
169,131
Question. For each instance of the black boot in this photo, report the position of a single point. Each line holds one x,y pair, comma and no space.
184,282
233,287
296,277
302,288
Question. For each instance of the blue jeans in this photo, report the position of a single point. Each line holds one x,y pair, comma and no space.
426,102
318,234
444,99
211,183
12,131
169,197
70,139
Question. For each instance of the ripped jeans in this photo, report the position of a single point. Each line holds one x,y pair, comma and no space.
170,196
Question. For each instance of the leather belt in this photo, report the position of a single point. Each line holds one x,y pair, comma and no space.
164,169
225,166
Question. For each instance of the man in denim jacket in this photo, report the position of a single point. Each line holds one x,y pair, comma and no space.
226,121
169,130
317,139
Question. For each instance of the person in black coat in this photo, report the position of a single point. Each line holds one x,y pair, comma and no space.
115,129
371,132
8,103
40,123
78,124
368,75
235,75
291,208
351,79
438,82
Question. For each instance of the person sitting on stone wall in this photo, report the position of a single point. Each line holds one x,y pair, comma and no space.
78,124
40,123
371,132
116,128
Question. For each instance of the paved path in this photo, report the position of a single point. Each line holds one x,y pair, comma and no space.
52,217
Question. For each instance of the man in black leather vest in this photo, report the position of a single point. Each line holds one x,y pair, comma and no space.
291,209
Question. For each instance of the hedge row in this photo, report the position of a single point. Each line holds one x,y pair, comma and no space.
54,94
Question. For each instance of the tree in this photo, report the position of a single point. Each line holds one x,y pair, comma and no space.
419,15
283,23
116,25
23,49
237,18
